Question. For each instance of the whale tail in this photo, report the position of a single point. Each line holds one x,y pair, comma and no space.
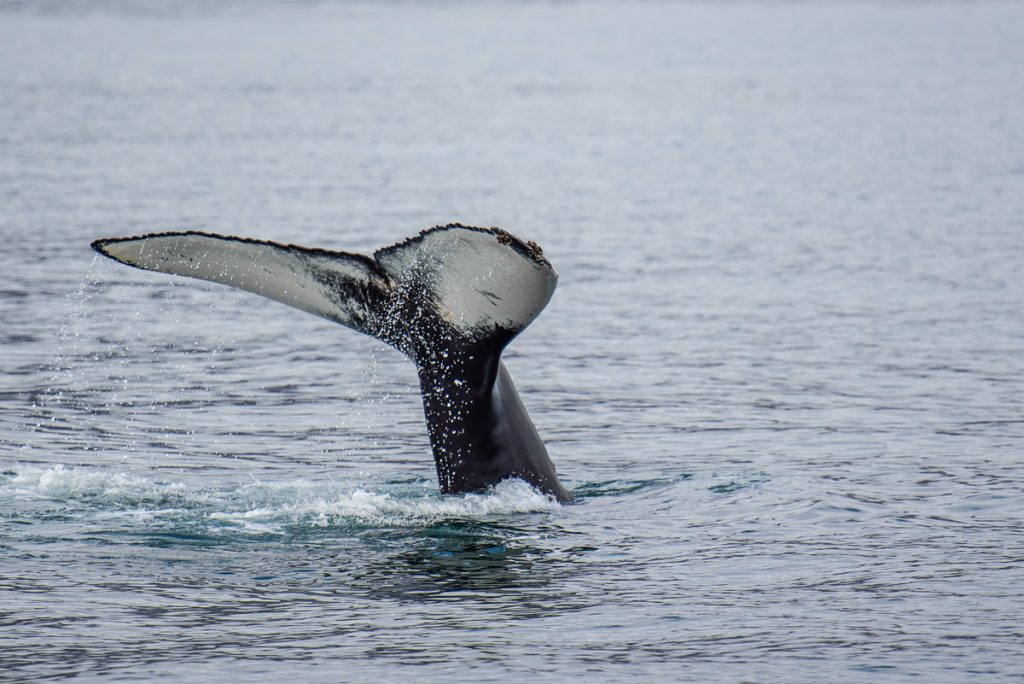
456,284
450,298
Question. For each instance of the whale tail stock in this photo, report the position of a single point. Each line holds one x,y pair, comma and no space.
450,298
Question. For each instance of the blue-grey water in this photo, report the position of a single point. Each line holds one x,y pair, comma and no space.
782,372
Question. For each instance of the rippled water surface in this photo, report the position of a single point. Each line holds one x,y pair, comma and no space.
782,373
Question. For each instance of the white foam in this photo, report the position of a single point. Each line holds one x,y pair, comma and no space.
381,508
265,507
95,485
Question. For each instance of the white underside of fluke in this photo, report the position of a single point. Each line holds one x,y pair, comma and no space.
305,279
475,279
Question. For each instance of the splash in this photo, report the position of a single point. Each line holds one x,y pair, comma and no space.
284,507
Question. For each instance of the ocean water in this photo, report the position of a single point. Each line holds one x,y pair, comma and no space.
782,372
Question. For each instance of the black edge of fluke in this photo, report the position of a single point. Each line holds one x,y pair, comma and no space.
101,243
528,249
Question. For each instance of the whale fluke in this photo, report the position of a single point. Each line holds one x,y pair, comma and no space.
450,298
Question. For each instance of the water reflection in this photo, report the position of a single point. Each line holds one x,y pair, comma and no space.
494,566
